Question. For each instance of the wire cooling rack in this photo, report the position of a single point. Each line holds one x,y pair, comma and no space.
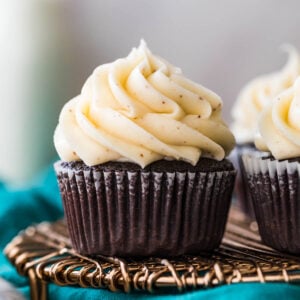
44,254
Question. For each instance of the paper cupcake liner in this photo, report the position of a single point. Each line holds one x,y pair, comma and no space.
144,213
275,188
241,189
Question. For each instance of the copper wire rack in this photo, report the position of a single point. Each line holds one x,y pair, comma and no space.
43,253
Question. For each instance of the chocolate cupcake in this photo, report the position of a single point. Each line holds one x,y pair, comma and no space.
255,96
143,169
274,175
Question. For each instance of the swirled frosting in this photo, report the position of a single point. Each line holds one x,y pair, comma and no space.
141,109
279,125
259,93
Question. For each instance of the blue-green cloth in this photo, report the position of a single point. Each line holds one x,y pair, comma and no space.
21,208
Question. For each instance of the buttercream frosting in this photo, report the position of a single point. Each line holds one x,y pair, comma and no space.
142,109
279,125
259,93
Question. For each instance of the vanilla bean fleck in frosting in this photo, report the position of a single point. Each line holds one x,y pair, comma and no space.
259,93
141,109
279,125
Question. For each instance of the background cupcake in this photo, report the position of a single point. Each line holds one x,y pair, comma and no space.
251,101
143,169
274,176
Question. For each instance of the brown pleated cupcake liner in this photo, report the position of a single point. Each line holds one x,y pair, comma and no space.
145,213
241,189
275,189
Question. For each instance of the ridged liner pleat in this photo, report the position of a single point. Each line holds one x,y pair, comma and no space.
143,213
275,189
242,191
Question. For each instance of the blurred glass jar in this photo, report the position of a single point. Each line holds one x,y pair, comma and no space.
35,81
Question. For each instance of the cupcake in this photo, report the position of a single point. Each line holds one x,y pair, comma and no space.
274,173
143,169
251,101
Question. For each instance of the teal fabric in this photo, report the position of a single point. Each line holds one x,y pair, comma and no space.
20,208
